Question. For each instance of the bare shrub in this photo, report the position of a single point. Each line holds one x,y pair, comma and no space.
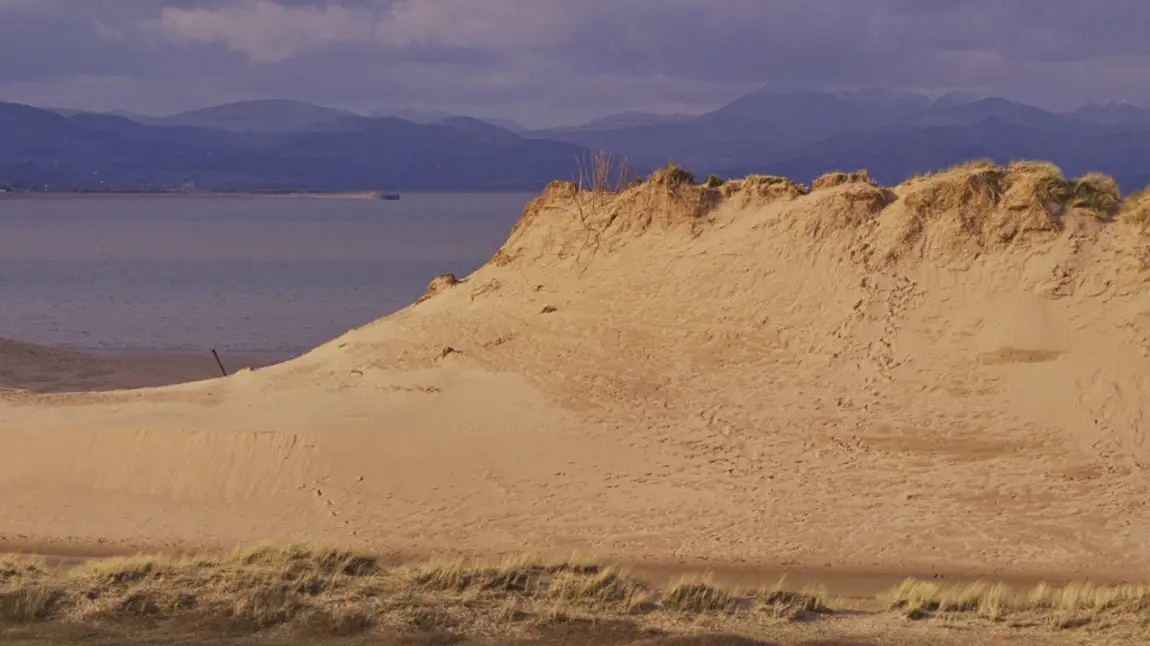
600,177
602,172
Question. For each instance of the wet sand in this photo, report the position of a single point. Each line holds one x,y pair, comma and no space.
39,370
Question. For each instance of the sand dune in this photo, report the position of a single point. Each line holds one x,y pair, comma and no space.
950,375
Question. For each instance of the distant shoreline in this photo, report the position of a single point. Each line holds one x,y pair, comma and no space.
345,195
329,195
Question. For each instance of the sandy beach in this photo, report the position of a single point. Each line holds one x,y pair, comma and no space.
950,378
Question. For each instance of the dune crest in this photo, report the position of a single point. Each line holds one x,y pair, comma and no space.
949,217
948,374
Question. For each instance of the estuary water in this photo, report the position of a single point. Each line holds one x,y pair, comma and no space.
275,275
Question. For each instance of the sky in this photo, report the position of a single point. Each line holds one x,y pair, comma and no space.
554,62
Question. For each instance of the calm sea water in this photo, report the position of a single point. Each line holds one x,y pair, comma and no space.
277,275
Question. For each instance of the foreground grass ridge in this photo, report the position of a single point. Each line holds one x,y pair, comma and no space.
333,591
329,591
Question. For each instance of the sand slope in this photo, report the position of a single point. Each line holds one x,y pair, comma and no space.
952,374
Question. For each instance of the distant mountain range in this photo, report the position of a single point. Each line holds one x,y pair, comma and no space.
289,145
436,116
269,146
266,116
893,134
276,116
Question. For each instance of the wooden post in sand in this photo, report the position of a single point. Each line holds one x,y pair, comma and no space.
219,363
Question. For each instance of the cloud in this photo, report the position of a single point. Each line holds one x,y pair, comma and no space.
832,41
108,31
18,5
565,60
492,25
265,31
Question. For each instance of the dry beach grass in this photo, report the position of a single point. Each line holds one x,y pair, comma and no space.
330,594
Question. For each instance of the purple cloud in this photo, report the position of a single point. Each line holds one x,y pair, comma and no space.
555,61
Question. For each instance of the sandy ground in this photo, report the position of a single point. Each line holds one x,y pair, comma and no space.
835,381
887,631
